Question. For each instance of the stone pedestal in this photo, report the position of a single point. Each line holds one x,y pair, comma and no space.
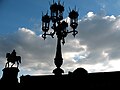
9,77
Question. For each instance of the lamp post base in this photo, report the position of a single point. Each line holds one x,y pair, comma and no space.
58,71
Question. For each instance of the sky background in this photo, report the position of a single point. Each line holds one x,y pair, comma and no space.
96,47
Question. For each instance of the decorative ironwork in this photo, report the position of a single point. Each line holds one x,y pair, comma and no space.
59,27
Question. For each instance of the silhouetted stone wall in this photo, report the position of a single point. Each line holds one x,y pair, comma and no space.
78,79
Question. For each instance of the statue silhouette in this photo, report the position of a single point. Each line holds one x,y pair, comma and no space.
12,58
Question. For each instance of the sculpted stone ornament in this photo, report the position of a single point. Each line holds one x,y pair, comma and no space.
12,58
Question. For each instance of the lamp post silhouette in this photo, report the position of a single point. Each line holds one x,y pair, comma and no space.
59,27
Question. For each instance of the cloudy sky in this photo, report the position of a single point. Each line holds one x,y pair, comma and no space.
96,47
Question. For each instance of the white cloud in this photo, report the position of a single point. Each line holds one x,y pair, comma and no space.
28,31
95,47
90,14
100,34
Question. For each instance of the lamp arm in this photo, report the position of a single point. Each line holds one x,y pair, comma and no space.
50,34
73,31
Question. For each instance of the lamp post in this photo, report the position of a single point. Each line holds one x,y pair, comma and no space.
59,27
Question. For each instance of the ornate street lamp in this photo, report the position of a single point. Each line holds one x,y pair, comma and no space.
59,27
73,15
45,24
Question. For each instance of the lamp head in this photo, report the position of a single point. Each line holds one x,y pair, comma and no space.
45,23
